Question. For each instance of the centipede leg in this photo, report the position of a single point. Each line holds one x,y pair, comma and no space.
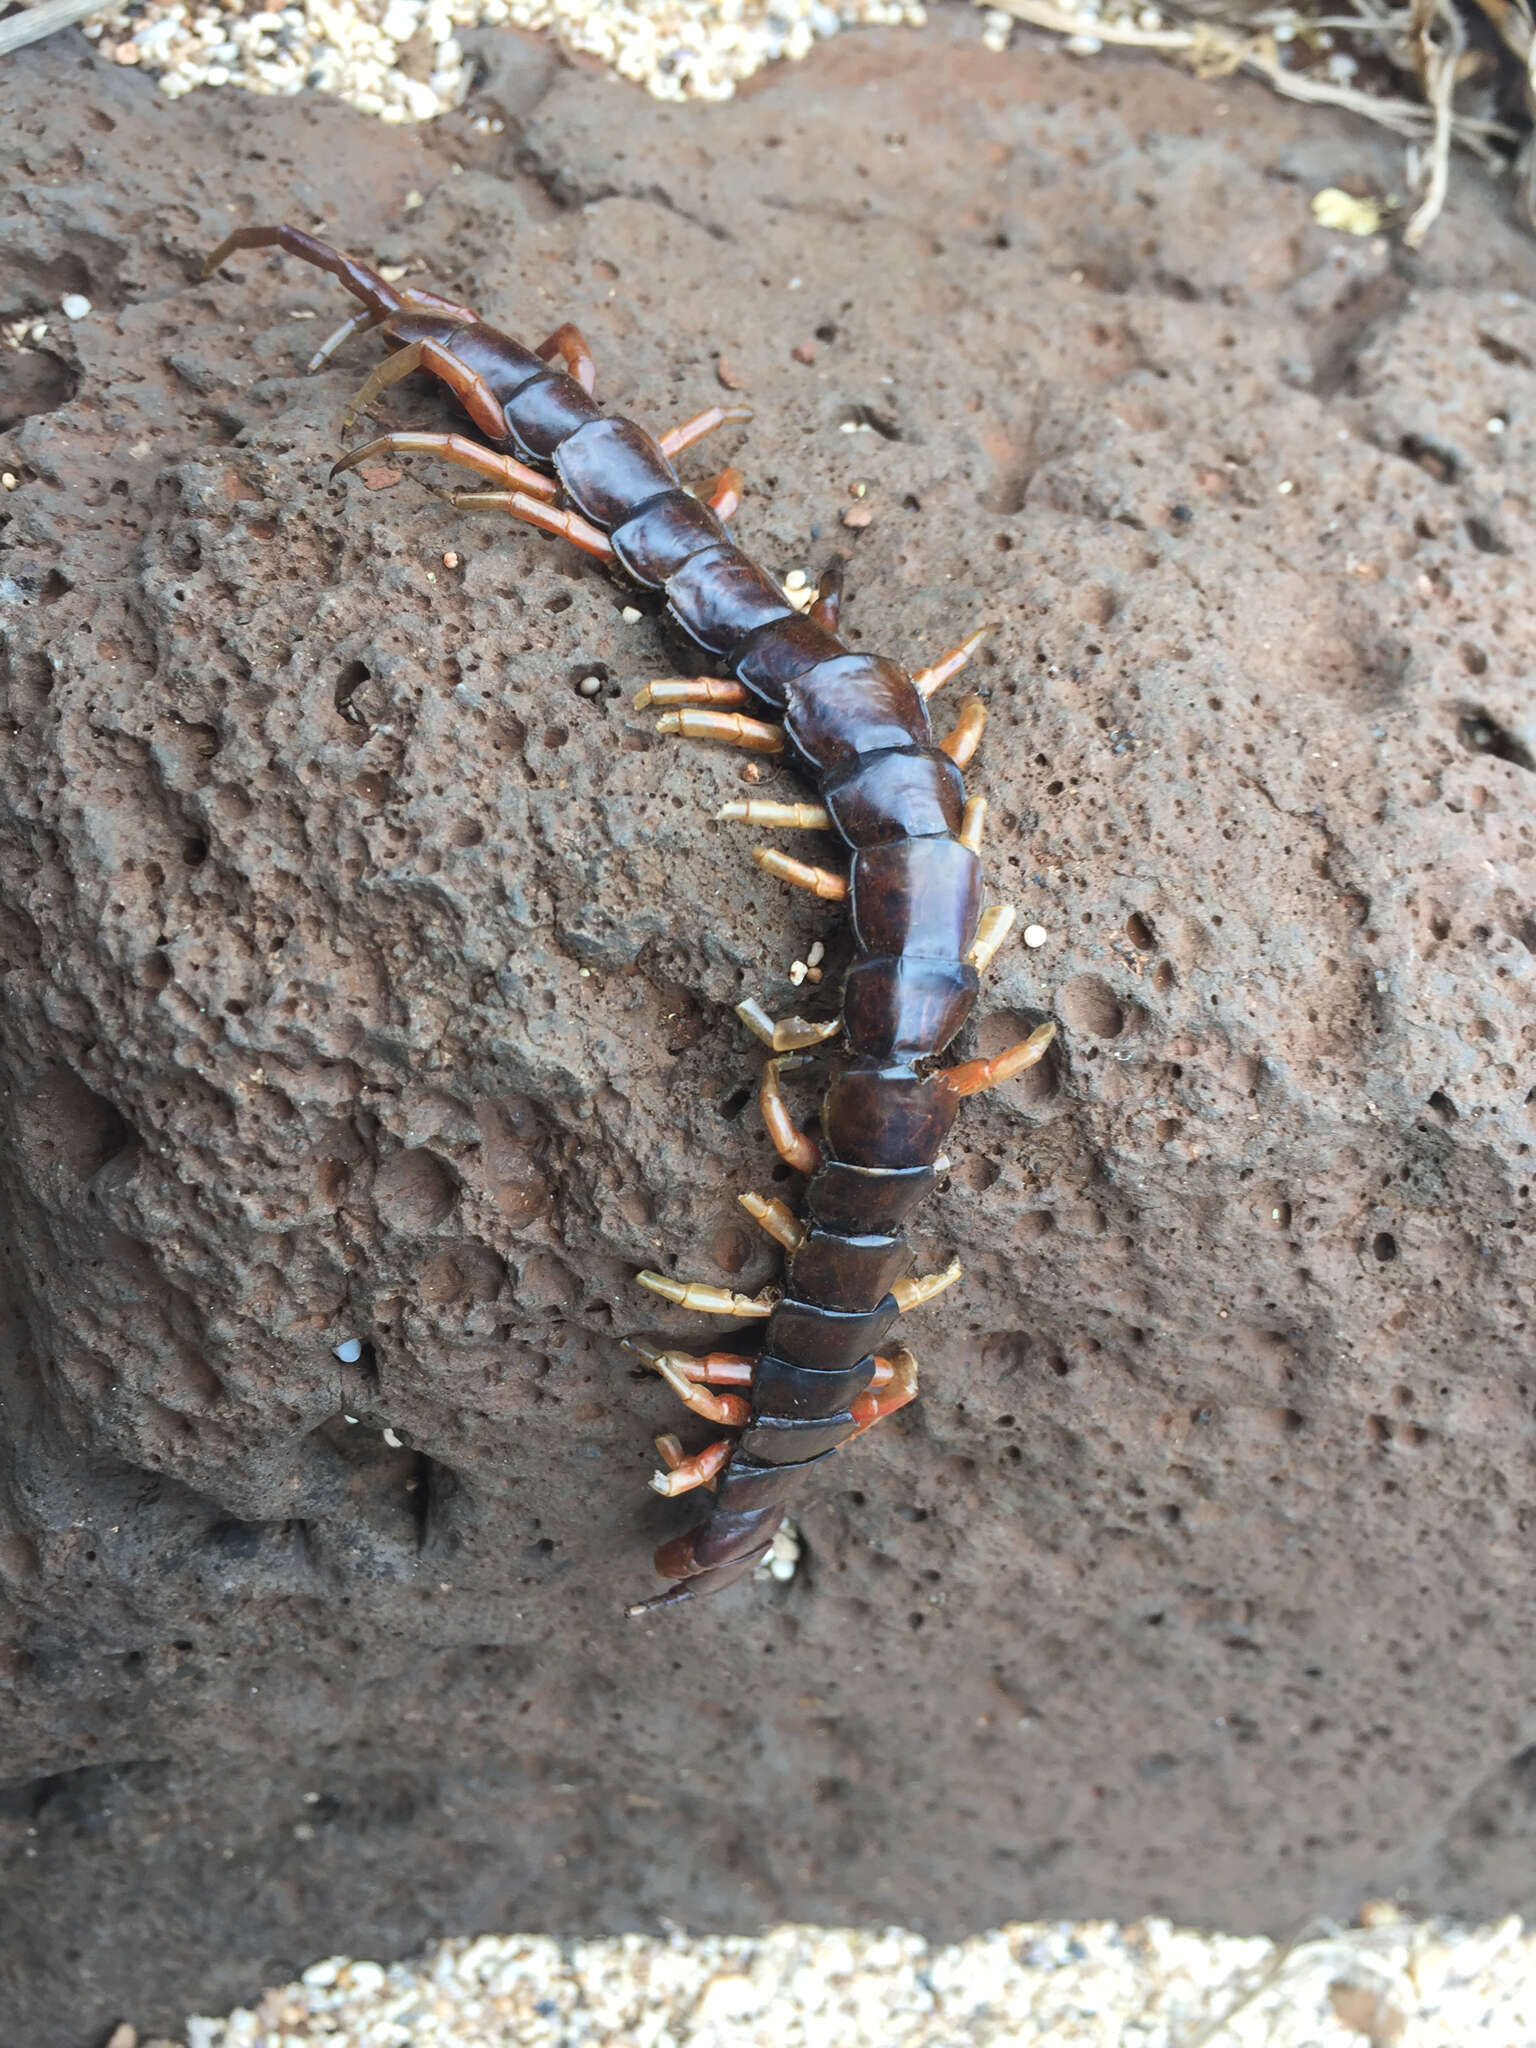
974,1077
828,602
534,512
714,1369
898,1389
729,728
472,391
704,1296
724,496
777,1218
920,1287
789,1034
961,742
761,811
727,1411
972,820
819,881
996,923
678,438
568,343
683,1473
505,470
792,1144
717,690
927,680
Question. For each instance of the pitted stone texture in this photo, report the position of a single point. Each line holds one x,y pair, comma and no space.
364,980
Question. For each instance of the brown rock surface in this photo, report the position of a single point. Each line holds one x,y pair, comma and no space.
362,977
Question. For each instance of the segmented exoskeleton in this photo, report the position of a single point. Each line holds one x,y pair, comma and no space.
856,727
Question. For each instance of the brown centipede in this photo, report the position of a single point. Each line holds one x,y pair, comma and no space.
856,727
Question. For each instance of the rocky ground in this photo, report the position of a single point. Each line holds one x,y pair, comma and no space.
365,979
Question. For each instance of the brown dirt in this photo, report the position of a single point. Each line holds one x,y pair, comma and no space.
363,978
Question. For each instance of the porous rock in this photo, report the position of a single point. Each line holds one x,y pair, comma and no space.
364,979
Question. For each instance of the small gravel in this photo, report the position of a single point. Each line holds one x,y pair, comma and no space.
401,59
1392,1982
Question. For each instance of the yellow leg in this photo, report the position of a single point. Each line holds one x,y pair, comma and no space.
820,881
789,1034
965,738
702,1295
758,810
973,818
927,680
731,728
717,690
996,924
924,1286
974,1077
777,1218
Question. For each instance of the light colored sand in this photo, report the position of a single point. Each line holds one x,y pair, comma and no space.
1392,1982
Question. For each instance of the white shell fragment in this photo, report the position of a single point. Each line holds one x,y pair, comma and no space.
392,1440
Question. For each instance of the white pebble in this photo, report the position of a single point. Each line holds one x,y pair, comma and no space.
365,1977
74,305
629,614
349,1351
795,580
1495,425
1034,935
392,1440
590,686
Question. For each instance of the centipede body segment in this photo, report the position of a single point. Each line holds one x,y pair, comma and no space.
828,1362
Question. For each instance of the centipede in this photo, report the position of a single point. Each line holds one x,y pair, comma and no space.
855,728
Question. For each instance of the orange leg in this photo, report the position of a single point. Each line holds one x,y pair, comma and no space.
568,344
683,1473
458,449
789,1141
972,1077
725,493
929,679
714,1369
678,438
894,1391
